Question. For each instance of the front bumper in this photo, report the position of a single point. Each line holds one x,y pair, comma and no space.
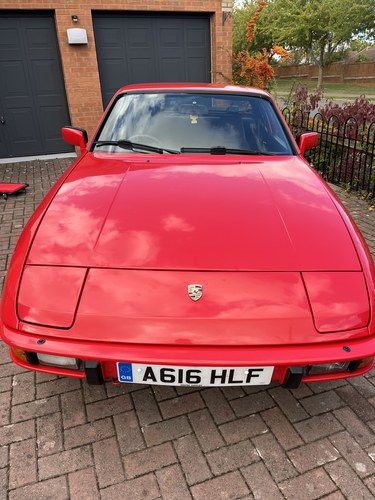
281,357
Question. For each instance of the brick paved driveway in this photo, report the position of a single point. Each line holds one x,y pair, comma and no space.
61,438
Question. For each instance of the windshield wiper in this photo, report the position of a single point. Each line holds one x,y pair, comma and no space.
221,150
124,144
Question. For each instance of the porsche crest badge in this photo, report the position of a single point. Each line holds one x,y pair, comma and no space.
195,291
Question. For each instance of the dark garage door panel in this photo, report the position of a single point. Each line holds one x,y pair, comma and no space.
32,94
151,48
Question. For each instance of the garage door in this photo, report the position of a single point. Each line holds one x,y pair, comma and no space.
151,48
33,105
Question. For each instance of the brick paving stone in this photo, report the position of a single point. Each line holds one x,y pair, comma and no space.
163,392
227,487
128,432
108,407
318,427
357,403
4,353
5,384
288,404
243,428
218,405
82,485
301,392
253,403
17,432
44,377
57,386
10,369
168,430
118,389
141,462
371,425
43,490
88,433
314,484
22,468
371,452
205,430
347,480
370,483
192,460
73,409
35,409
233,392
359,430
313,455
64,462
4,454
145,488
93,393
232,457
281,428
261,483
3,485
318,387
274,457
335,496
180,405
181,391
255,389
49,432
172,484
23,388
108,463
353,453
363,386
5,399
146,407
321,403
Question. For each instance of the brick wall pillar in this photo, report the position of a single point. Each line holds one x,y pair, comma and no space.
80,69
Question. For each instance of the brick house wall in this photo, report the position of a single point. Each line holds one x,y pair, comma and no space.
79,62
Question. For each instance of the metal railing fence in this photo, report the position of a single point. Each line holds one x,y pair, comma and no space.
345,154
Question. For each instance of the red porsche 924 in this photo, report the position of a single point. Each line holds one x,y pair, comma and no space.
191,244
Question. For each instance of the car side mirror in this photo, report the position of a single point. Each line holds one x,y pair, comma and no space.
307,141
76,136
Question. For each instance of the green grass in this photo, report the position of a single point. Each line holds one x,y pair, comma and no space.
282,88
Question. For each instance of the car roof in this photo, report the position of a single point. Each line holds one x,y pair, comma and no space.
194,87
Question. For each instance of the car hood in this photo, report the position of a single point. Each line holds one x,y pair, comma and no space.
218,213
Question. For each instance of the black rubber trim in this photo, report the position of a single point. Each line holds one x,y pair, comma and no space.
293,377
93,371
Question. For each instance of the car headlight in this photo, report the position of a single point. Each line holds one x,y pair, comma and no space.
339,300
48,295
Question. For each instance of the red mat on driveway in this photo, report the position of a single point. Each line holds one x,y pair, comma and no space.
7,189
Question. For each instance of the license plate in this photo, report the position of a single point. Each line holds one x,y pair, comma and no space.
205,376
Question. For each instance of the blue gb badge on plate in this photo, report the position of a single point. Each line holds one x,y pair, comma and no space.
125,372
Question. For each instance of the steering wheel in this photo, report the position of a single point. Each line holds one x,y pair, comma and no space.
148,140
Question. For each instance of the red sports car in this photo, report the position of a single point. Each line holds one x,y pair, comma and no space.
191,244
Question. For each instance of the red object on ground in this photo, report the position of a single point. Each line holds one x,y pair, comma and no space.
7,189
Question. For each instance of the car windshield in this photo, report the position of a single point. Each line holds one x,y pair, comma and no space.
193,122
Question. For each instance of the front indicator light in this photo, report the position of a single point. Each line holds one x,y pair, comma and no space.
25,356
59,361
362,363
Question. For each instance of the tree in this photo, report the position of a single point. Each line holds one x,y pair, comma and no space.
251,67
320,27
241,16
